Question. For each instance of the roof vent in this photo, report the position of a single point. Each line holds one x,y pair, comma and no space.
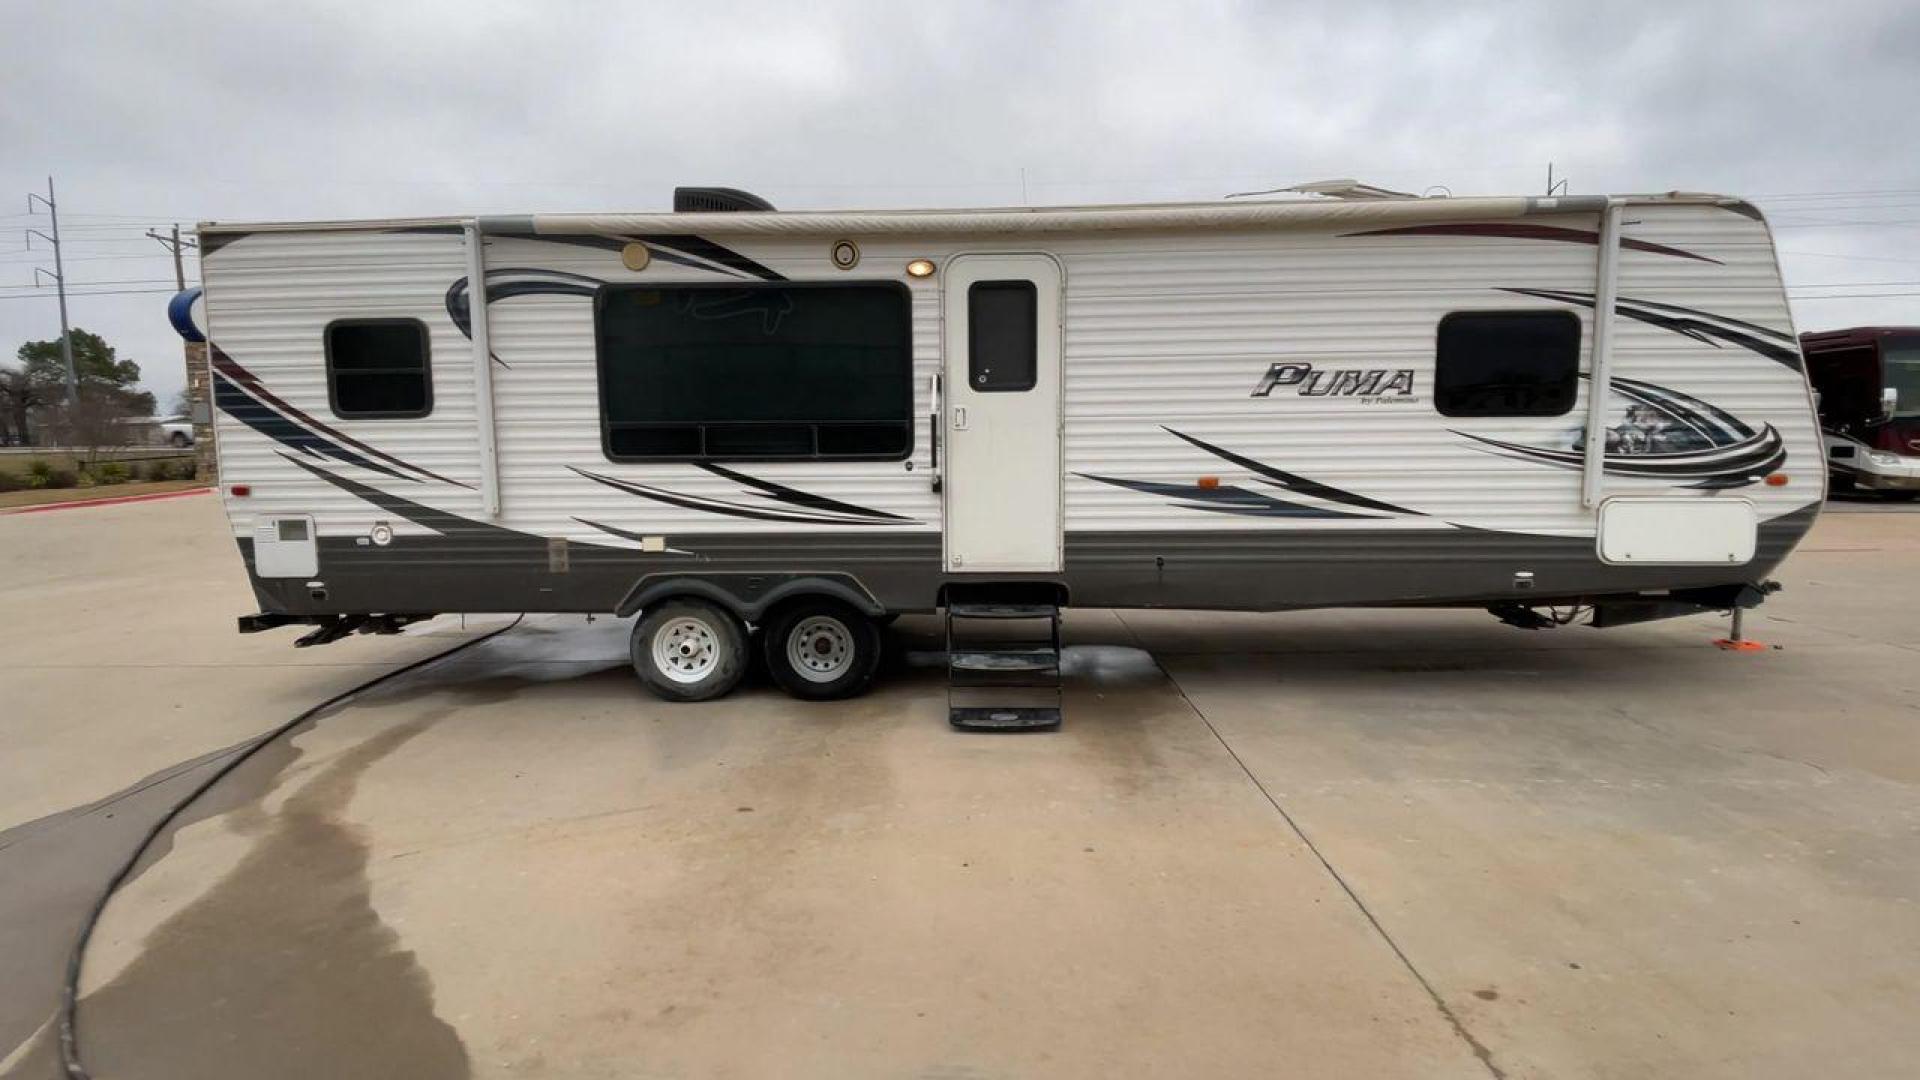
1351,189
716,200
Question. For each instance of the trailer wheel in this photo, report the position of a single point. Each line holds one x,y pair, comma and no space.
689,650
820,649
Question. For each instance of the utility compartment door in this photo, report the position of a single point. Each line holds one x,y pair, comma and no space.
1001,417
1678,532
285,547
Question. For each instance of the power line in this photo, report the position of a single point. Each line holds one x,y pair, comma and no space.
1839,194
97,292
1854,296
147,281
1857,258
1852,285
79,258
1846,223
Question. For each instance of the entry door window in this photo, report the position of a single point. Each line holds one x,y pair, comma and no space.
1002,335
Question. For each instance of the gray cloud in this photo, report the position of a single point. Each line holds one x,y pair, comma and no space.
153,113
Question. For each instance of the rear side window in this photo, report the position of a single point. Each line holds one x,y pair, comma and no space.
378,369
1507,363
1002,335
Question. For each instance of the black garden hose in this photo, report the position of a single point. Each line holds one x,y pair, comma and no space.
70,992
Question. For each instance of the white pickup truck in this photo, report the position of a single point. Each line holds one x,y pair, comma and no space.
176,431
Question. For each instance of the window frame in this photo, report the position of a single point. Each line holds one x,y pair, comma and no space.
600,357
1031,290
1579,342
426,368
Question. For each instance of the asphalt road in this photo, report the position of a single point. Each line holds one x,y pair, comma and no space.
1325,844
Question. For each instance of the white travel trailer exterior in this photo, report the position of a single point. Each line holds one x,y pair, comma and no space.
753,418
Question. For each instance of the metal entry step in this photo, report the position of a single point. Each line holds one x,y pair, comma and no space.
1002,611
1002,657
1004,718
1003,683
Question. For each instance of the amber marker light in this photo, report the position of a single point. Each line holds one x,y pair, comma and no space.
921,268
1778,479
1208,483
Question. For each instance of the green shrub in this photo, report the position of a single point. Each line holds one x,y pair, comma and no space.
11,481
42,474
109,472
137,471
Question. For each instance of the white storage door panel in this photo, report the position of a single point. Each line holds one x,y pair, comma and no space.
1677,532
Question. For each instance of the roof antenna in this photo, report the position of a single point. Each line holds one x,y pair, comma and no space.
1555,187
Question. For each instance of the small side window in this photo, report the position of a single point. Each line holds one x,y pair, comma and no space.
1507,363
378,369
1002,335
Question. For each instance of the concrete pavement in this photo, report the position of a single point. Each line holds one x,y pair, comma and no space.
1325,844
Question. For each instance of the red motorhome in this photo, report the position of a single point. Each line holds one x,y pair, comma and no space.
1868,382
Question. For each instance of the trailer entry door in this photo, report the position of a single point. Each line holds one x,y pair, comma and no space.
1002,414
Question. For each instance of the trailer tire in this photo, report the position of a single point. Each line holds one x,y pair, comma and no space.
689,650
821,649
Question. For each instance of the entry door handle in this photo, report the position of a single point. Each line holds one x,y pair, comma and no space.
959,418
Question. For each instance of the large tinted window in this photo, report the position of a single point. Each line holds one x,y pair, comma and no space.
1002,335
1902,357
1507,363
378,369
756,371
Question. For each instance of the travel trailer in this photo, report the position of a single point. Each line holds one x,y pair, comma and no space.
1867,383
773,431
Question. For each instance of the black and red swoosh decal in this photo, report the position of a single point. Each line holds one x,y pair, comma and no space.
240,394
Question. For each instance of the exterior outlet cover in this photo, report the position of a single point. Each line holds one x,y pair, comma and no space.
286,547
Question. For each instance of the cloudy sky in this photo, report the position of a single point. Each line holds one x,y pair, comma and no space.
152,113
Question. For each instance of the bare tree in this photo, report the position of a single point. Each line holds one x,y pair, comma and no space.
96,424
20,396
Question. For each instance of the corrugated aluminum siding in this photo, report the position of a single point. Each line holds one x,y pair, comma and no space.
1163,330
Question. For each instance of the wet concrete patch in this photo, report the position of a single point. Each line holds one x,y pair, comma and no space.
50,871
282,968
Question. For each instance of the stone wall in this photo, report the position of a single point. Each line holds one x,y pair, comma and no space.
200,391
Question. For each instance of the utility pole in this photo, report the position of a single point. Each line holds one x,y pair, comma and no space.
199,374
59,280
174,244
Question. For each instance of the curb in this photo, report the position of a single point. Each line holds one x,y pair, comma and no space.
111,501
